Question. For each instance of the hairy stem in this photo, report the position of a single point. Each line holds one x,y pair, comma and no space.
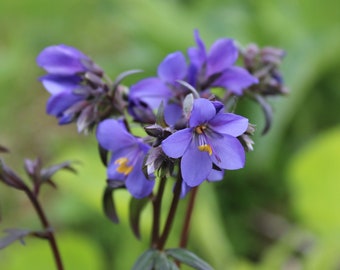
157,205
46,225
171,215
186,225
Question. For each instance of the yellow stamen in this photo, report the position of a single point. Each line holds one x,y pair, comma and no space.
200,129
123,168
205,148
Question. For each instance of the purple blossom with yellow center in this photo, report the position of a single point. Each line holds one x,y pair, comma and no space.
211,138
128,153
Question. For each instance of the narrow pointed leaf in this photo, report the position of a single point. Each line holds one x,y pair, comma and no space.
268,112
108,200
146,261
136,208
10,178
47,173
187,257
103,153
160,116
12,236
123,75
32,168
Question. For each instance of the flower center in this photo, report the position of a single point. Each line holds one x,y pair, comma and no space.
123,167
205,148
202,142
200,129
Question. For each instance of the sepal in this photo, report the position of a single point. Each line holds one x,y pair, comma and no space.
109,205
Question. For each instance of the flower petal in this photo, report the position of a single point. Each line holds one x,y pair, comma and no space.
223,54
184,189
229,123
215,175
55,84
61,60
175,145
151,91
112,173
60,102
228,153
195,166
172,113
197,55
111,135
136,182
173,67
203,110
235,79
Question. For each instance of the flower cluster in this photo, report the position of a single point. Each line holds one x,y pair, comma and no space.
79,89
187,124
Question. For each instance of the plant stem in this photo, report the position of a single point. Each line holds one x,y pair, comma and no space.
46,225
186,225
157,205
171,215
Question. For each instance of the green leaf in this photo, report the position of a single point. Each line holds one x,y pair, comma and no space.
162,262
146,261
187,257
136,208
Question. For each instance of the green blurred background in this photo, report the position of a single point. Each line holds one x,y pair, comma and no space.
281,212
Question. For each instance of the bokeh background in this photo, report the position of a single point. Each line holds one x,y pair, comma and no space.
281,212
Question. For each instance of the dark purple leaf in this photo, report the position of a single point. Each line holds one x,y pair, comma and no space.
103,153
10,178
19,234
136,208
108,200
187,257
268,112
33,168
12,236
47,173
160,116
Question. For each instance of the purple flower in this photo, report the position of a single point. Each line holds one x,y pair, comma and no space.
128,153
73,81
209,139
216,67
152,91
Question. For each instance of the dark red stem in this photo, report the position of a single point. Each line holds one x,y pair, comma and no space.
46,225
186,225
171,215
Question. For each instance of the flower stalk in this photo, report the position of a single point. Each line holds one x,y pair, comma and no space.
46,225
157,205
169,221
